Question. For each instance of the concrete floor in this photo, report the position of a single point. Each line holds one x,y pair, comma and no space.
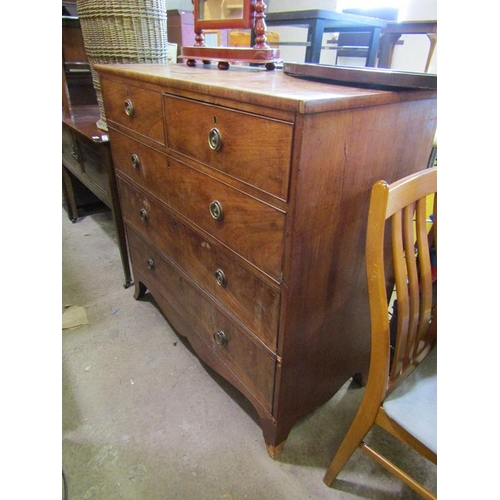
143,419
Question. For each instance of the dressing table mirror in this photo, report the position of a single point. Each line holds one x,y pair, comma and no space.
230,14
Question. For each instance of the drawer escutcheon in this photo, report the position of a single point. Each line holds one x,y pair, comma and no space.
136,162
220,277
129,107
215,139
220,338
216,210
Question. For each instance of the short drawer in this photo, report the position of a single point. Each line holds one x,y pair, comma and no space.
251,228
252,301
193,313
254,149
137,109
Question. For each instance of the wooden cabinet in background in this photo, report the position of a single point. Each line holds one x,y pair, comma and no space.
87,165
180,28
245,197
78,88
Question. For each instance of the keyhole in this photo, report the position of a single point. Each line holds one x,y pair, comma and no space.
215,120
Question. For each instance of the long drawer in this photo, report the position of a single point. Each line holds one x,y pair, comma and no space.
251,228
232,141
197,316
250,299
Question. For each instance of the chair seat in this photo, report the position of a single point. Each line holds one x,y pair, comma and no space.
413,404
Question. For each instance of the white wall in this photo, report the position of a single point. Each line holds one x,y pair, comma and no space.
295,33
412,55
287,5
179,4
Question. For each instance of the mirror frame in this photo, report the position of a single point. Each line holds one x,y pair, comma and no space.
245,22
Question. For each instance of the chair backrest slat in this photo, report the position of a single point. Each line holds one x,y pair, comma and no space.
413,280
425,274
402,296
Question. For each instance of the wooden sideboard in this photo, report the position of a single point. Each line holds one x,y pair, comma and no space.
245,196
86,156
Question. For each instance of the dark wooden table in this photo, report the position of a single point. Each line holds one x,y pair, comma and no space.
319,22
86,156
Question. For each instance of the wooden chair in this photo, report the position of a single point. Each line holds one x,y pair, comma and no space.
400,394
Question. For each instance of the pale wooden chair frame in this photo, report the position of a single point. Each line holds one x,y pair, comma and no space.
404,202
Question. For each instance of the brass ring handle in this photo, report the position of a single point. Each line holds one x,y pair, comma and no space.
129,107
216,210
215,139
220,338
136,162
151,264
144,215
220,277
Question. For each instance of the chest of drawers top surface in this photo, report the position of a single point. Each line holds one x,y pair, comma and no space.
264,88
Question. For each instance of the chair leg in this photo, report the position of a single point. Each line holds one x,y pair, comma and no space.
358,430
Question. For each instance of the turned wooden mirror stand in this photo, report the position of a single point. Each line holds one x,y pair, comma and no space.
230,14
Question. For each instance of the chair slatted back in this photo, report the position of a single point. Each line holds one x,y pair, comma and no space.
404,203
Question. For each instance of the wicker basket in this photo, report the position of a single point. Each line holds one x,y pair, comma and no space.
122,31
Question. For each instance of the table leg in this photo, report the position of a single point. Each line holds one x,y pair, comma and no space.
371,58
388,42
314,38
69,195
433,39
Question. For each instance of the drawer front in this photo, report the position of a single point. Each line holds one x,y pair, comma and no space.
250,148
137,109
251,300
69,150
197,315
246,225
94,165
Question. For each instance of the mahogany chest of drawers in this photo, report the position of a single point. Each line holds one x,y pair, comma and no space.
245,195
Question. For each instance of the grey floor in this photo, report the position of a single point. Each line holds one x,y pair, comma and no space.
143,419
